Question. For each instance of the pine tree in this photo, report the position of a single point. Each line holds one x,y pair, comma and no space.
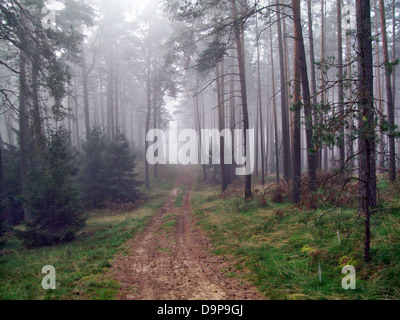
120,166
92,176
52,196
107,170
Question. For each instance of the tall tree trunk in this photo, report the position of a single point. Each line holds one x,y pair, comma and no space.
110,98
232,112
306,95
221,122
148,115
394,50
9,128
367,173
381,158
155,126
239,31
296,138
69,111
274,109
389,95
342,152
103,122
351,129
76,117
313,71
37,123
259,104
23,130
117,102
321,157
284,108
85,94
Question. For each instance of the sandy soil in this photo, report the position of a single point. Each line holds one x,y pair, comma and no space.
171,259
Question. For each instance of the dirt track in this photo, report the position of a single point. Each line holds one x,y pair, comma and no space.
170,259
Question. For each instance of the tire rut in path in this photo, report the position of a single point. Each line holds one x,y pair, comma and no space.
171,259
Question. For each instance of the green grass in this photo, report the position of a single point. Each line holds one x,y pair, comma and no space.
281,254
82,266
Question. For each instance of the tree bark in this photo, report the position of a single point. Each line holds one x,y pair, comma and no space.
23,130
148,115
259,104
313,70
239,30
274,109
342,151
381,158
367,171
311,160
284,108
389,95
296,138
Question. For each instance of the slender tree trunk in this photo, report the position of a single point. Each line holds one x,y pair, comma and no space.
259,104
23,130
350,134
342,152
9,128
389,95
221,122
367,173
110,98
381,158
394,50
274,109
296,138
284,108
313,71
155,126
69,111
76,117
321,148
117,102
85,94
232,107
102,103
306,95
148,115
239,30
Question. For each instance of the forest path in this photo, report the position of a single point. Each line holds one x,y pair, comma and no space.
171,259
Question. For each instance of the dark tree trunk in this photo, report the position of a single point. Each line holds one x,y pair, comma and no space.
284,108
296,138
232,113
239,30
23,129
306,96
389,95
367,173
274,110
260,113
221,122
313,71
340,76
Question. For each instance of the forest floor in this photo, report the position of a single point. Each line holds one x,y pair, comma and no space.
292,252
172,260
187,241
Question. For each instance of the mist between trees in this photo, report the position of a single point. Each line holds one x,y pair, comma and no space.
315,80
